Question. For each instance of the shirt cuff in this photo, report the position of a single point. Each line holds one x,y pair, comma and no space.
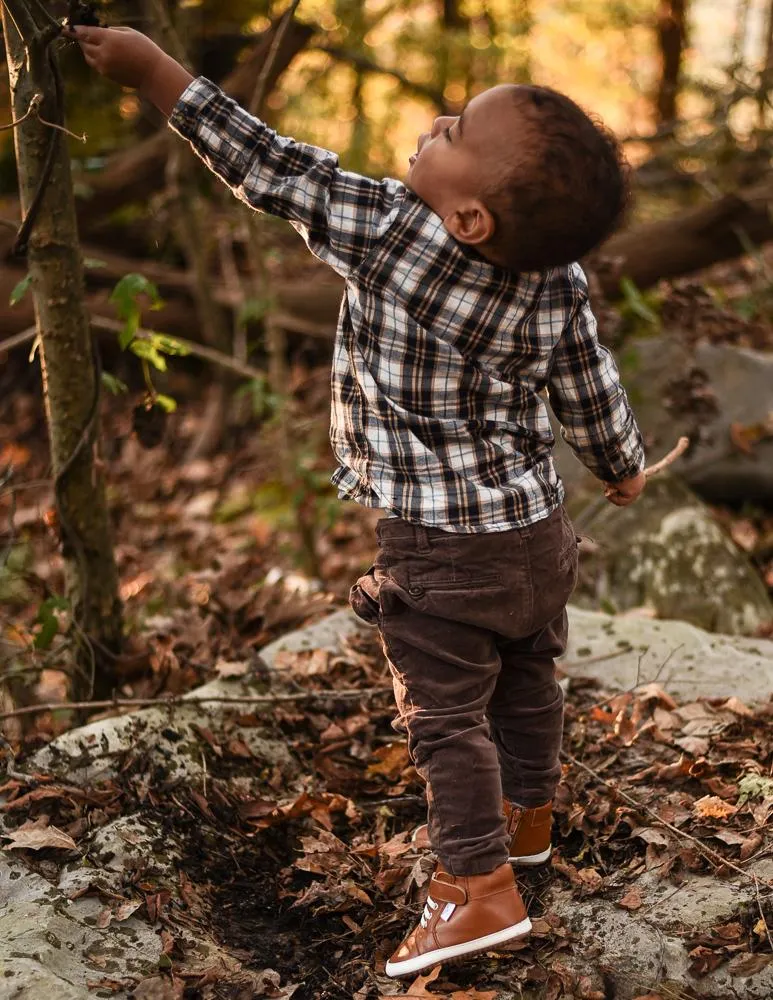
186,114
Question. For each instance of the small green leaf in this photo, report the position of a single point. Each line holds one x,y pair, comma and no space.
166,402
91,263
129,332
113,384
636,302
754,786
146,350
20,290
127,291
169,345
253,310
49,623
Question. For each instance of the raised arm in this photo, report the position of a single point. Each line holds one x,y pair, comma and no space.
589,401
131,59
340,215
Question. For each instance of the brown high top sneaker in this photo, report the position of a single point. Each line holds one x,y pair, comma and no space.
464,914
529,831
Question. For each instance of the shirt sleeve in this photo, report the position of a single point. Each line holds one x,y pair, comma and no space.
588,399
340,215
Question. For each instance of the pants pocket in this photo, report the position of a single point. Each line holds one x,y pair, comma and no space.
363,598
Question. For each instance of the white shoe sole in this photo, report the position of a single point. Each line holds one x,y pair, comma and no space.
531,859
430,958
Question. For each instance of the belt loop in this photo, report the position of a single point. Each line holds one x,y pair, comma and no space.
422,538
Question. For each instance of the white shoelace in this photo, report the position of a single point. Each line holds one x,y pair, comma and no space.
430,906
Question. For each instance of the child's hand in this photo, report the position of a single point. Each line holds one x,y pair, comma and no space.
123,55
625,492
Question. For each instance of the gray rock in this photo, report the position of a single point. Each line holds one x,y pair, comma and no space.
50,945
644,950
667,552
626,650
729,385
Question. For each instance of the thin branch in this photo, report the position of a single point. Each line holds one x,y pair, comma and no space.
73,135
362,62
113,326
52,25
34,105
762,914
177,702
261,86
712,856
681,447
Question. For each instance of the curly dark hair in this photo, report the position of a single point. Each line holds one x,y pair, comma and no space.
565,190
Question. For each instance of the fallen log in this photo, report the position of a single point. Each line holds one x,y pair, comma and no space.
686,241
308,307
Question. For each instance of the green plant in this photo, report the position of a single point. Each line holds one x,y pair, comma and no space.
754,786
639,310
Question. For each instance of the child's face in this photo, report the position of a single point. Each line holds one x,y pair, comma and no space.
461,157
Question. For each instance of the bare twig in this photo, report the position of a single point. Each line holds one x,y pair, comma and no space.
590,511
362,62
637,683
113,326
762,915
681,447
34,105
73,706
714,857
258,95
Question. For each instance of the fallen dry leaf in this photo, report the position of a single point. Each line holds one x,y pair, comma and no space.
35,836
418,987
737,707
748,964
631,900
712,807
392,759
226,669
654,692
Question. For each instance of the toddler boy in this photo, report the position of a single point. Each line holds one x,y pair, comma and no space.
462,304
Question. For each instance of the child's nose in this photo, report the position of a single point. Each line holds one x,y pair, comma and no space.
445,121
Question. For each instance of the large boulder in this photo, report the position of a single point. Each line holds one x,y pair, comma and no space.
666,552
701,390
624,651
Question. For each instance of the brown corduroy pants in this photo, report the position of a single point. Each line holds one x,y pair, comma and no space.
471,625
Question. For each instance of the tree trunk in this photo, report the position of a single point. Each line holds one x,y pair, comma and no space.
766,76
672,35
452,16
70,380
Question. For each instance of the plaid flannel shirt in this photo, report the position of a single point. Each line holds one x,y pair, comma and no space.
441,358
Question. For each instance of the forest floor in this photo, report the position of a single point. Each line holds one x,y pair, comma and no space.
313,890
219,556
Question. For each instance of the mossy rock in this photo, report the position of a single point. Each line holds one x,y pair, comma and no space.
667,552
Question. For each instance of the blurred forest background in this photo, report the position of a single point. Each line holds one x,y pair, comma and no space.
215,327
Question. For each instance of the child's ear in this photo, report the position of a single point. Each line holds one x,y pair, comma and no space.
472,224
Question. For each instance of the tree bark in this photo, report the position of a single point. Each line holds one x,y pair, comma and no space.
672,36
70,379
